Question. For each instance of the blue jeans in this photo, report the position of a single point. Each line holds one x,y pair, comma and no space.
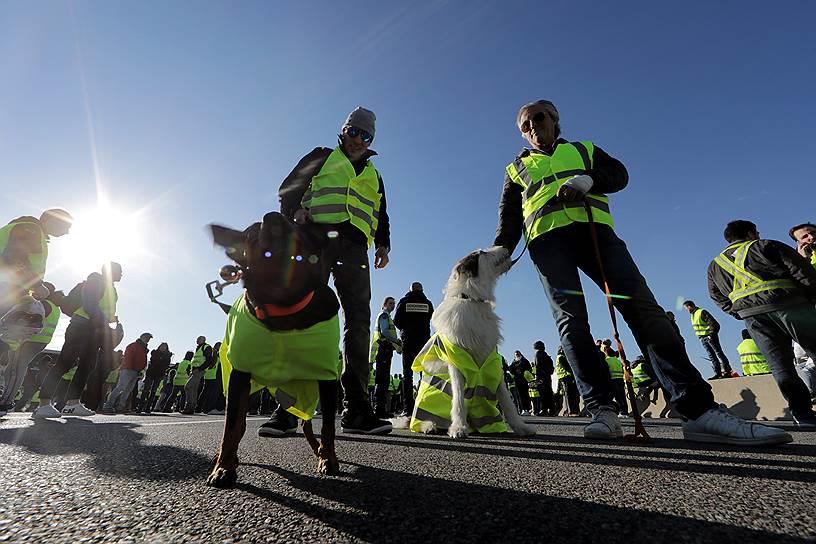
558,255
719,362
773,332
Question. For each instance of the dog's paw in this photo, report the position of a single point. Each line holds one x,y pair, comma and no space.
525,430
427,427
458,431
222,477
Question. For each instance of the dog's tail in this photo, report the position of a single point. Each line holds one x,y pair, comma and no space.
400,422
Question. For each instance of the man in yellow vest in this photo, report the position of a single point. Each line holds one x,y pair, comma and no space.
805,237
707,330
17,368
85,336
615,366
383,345
772,289
202,360
567,384
549,191
341,190
752,360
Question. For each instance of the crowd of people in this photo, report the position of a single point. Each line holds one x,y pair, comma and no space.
556,196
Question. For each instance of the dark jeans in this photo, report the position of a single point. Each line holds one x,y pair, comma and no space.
773,332
558,255
546,397
523,394
619,387
347,262
571,396
719,362
382,379
151,383
81,348
410,349
168,395
210,394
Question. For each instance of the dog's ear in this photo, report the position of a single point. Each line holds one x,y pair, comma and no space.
233,241
468,265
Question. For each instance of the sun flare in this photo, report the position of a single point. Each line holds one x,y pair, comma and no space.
101,235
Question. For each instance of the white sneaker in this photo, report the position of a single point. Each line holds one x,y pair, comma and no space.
525,413
46,412
78,410
721,426
604,424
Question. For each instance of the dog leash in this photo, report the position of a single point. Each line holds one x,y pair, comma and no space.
523,251
640,430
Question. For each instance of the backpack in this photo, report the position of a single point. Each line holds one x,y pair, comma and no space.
73,300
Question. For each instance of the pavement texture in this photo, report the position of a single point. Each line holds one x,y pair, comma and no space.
141,479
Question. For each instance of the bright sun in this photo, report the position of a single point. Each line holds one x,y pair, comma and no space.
101,235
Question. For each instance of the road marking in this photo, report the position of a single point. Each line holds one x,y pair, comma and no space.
185,422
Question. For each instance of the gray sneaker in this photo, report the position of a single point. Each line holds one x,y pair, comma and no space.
605,424
720,426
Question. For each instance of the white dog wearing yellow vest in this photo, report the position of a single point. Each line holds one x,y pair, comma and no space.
463,381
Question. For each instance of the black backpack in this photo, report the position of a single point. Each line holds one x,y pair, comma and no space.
73,301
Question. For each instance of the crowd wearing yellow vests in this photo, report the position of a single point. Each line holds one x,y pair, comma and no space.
615,368
434,398
540,176
49,324
701,328
107,304
338,194
288,363
753,362
745,282
37,260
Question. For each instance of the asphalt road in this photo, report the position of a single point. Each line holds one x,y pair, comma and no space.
141,479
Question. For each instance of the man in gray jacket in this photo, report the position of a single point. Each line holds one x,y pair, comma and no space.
772,288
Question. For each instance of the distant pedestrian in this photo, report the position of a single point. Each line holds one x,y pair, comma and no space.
707,330
202,358
522,373
567,384
155,373
544,367
413,318
383,345
134,362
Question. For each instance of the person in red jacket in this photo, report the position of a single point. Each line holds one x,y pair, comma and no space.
134,361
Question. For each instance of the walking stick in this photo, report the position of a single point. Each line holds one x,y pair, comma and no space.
640,431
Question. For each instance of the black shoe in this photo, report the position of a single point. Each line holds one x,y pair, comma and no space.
805,422
280,424
363,422
716,377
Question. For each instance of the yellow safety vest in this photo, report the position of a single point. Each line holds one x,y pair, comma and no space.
49,325
35,260
212,372
434,398
288,363
745,282
338,194
540,176
198,358
181,376
375,339
562,368
753,362
701,328
639,377
615,368
107,304
813,259
70,374
531,385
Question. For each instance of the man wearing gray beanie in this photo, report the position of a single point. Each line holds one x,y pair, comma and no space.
555,193
341,190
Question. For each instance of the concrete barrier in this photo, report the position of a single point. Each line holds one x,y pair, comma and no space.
749,397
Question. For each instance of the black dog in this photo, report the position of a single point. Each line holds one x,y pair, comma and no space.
286,290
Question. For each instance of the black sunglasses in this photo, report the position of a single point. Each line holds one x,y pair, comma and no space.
364,136
538,118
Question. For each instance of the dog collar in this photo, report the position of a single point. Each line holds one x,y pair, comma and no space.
273,310
466,297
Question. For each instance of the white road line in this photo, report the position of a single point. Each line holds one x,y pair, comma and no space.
220,420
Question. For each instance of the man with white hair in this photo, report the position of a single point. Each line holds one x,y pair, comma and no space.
550,190
341,190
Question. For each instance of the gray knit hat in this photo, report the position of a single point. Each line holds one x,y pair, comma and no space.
362,119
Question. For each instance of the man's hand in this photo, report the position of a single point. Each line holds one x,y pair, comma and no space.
40,291
575,188
381,257
302,217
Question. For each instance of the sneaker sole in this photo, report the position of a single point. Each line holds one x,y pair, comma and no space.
71,414
275,433
39,416
603,436
382,429
719,439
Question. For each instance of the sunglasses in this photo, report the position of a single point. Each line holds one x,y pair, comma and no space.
538,118
353,132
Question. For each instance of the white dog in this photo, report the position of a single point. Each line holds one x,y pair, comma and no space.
466,318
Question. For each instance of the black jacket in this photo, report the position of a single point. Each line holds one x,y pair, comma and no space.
608,175
298,181
544,364
159,363
769,260
519,367
413,317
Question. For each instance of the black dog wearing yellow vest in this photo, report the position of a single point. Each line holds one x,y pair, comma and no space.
282,333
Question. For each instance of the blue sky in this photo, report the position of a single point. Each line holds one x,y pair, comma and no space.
187,113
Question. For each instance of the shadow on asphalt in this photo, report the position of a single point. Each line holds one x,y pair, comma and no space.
712,464
115,449
380,504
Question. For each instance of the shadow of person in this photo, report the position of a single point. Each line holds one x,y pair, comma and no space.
375,504
747,408
113,448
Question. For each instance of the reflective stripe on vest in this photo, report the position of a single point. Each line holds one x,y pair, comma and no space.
375,344
35,260
753,362
701,328
615,368
813,259
434,398
181,376
639,377
198,358
745,282
338,194
107,304
288,363
540,176
562,368
70,374
49,326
